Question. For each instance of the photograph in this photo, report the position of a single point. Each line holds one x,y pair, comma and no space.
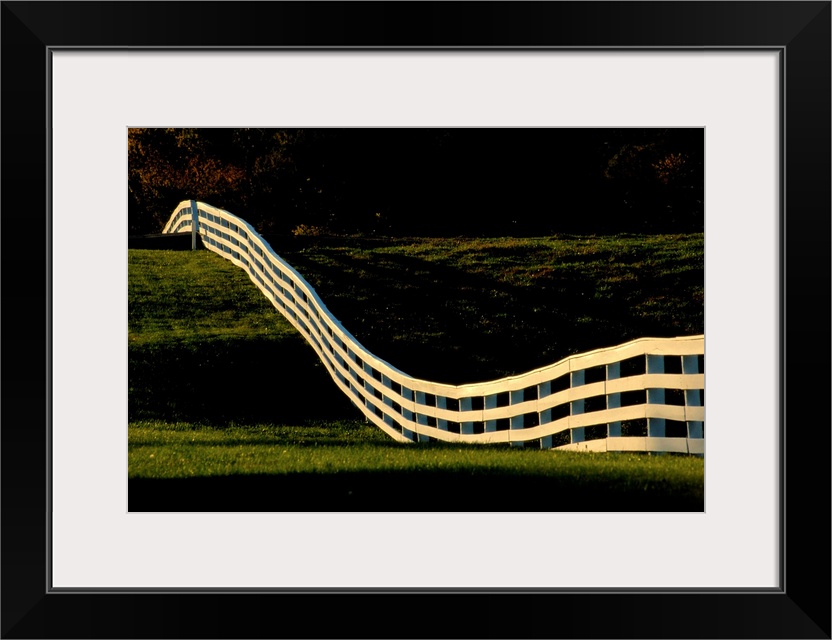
416,319
416,297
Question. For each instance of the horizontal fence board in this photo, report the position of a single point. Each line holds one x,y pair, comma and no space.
593,446
696,446
541,431
626,444
695,414
671,445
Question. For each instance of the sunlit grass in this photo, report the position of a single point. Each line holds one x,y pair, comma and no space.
181,450
173,296
222,387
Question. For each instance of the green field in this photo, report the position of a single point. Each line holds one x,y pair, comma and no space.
214,428
491,307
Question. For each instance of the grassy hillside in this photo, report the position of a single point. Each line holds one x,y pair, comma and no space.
213,426
465,310
199,336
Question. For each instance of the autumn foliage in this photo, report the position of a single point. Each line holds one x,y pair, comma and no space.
415,181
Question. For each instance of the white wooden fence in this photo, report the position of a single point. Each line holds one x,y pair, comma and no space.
644,395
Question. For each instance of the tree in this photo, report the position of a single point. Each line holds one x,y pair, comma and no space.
417,181
167,166
658,175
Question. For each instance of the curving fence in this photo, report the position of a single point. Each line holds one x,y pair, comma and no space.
644,395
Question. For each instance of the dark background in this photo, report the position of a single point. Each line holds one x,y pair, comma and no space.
421,181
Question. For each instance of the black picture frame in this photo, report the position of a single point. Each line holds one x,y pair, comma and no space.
800,608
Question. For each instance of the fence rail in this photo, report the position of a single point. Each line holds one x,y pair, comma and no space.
644,395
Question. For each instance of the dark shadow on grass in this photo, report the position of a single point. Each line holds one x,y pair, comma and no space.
233,380
381,491
490,328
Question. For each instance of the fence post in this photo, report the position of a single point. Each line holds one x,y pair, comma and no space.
467,405
576,407
516,422
491,403
655,426
194,224
613,400
690,365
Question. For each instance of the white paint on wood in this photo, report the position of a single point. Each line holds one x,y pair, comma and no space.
361,375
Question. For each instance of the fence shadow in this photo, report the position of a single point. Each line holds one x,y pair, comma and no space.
225,381
515,329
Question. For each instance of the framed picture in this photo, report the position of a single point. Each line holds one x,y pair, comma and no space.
754,75
447,295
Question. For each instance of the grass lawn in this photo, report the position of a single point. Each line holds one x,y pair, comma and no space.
348,465
486,308
214,427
